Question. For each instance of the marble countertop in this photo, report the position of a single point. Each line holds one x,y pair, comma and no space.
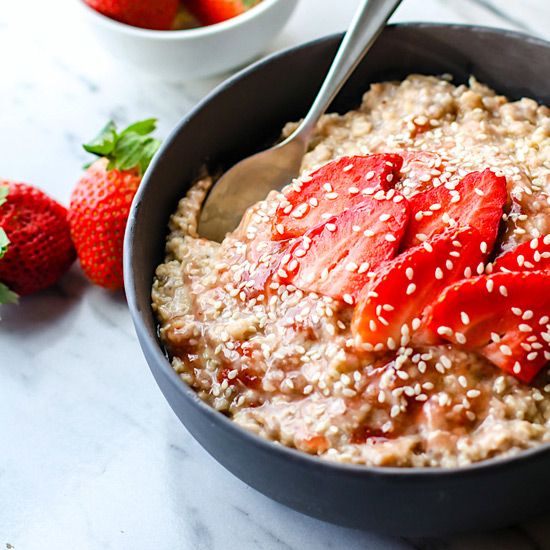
91,455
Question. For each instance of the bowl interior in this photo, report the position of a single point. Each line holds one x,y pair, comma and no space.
243,116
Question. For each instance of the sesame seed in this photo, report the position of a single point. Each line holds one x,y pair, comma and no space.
460,338
464,318
411,288
503,290
390,238
369,175
348,299
409,272
331,227
384,217
372,326
395,410
444,331
415,323
331,196
490,285
327,187
505,350
439,273
525,328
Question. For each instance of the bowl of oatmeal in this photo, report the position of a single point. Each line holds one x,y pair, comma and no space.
376,334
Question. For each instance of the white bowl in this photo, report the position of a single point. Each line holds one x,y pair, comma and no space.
193,53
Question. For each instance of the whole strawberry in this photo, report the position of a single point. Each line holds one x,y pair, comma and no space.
209,12
147,14
36,229
101,200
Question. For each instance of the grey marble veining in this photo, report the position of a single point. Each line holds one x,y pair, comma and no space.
91,456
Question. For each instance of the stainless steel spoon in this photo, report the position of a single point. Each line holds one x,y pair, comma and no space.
251,179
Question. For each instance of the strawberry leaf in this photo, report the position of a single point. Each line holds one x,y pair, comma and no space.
104,143
132,148
7,296
142,128
4,190
4,241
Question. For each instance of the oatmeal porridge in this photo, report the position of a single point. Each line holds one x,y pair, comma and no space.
390,306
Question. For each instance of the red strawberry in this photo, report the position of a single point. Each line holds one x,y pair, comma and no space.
529,256
101,200
476,200
336,258
209,12
331,189
147,14
40,248
390,308
503,316
420,169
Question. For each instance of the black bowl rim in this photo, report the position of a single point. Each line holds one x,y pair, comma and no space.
393,473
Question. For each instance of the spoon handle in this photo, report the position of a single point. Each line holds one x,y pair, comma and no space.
367,24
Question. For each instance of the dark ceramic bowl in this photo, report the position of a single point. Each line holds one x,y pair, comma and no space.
243,115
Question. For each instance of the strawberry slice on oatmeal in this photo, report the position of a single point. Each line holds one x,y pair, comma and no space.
333,188
503,316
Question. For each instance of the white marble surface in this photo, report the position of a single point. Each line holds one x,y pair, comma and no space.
91,455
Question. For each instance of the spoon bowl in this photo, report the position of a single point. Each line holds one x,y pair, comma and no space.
251,179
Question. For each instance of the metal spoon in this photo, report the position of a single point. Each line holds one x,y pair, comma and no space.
251,179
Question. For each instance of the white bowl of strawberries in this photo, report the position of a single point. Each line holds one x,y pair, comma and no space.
186,39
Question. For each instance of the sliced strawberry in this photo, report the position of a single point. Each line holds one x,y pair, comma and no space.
390,309
476,200
331,189
336,257
504,316
529,256
420,169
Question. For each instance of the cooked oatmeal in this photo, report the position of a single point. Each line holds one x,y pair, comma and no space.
283,362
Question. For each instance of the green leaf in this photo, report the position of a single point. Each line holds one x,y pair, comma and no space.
133,147
4,190
148,151
142,128
249,3
4,241
104,143
7,296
